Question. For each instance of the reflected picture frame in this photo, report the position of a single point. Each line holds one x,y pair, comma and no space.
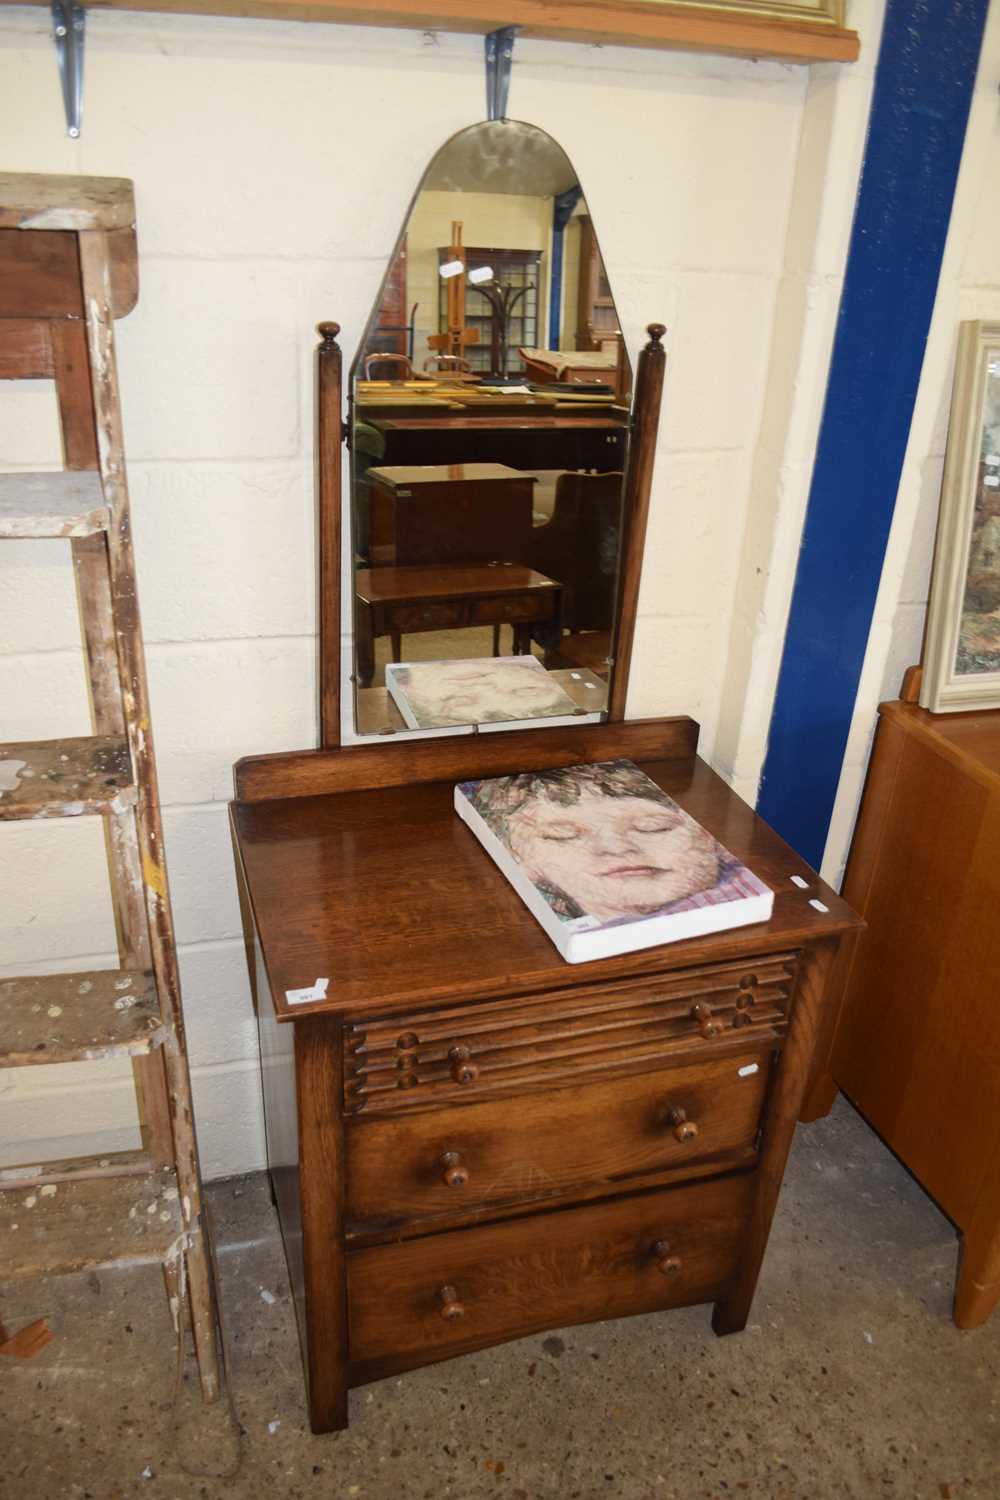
961,666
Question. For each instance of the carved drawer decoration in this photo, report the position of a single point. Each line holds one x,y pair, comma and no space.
470,1052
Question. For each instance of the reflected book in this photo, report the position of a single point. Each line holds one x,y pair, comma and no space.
606,861
510,690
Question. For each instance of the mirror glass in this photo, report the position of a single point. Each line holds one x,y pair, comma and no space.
489,429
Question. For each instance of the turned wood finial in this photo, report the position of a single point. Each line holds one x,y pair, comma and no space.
329,333
656,332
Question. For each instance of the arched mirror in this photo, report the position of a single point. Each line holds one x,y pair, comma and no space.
489,433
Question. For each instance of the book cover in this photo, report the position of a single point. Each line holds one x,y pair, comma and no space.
606,861
515,690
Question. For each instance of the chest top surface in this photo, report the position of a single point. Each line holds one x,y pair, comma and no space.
971,740
391,898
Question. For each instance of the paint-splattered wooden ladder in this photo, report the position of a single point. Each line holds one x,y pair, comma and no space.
67,269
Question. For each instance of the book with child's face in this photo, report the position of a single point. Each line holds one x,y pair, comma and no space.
509,690
606,861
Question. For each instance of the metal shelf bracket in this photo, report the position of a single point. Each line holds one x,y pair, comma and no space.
499,54
69,28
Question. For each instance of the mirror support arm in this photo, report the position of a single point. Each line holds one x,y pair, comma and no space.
499,56
329,437
635,509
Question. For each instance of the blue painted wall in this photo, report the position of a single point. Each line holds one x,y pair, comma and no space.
920,107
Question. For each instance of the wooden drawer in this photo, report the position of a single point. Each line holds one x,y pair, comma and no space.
538,605
545,1271
423,1059
425,616
501,1151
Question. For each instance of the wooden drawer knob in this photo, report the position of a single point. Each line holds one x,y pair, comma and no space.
707,1024
684,1129
463,1069
666,1264
455,1174
451,1308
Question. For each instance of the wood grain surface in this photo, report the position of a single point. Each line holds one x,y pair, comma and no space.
392,899
309,773
622,23
546,1271
553,1141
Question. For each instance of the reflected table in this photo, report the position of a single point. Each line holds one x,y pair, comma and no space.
398,601
594,439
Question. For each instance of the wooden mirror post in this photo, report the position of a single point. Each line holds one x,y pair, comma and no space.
635,510
329,436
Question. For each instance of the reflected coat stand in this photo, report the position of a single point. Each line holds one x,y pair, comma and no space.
470,1140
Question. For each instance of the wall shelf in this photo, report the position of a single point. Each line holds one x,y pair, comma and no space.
630,23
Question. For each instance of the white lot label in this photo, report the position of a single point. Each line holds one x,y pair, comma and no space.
750,1068
315,991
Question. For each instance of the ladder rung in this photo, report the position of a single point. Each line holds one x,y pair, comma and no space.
53,1227
56,1018
65,778
66,502
75,1168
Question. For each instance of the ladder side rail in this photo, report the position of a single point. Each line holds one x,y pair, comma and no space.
71,368
95,271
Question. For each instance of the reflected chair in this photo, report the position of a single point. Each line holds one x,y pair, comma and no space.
379,361
447,364
579,547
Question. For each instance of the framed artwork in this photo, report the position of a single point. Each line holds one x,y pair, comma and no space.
962,650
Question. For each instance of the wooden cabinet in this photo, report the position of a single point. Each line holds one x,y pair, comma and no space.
433,514
596,317
918,1047
469,1139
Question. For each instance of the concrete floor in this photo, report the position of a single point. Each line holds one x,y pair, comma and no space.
850,1380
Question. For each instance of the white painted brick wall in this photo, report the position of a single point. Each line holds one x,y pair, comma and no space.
273,166
969,287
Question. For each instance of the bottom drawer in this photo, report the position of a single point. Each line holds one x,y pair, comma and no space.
428,1299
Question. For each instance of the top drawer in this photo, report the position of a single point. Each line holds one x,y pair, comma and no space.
471,1051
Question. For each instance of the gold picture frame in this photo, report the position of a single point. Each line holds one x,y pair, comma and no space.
821,12
961,667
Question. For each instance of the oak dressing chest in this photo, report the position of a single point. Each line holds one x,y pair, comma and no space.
469,1139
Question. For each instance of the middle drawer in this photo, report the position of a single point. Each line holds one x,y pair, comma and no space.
504,1150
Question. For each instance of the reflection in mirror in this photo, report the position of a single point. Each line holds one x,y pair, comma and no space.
488,437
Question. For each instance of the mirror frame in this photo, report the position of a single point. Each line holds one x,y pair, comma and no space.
331,434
